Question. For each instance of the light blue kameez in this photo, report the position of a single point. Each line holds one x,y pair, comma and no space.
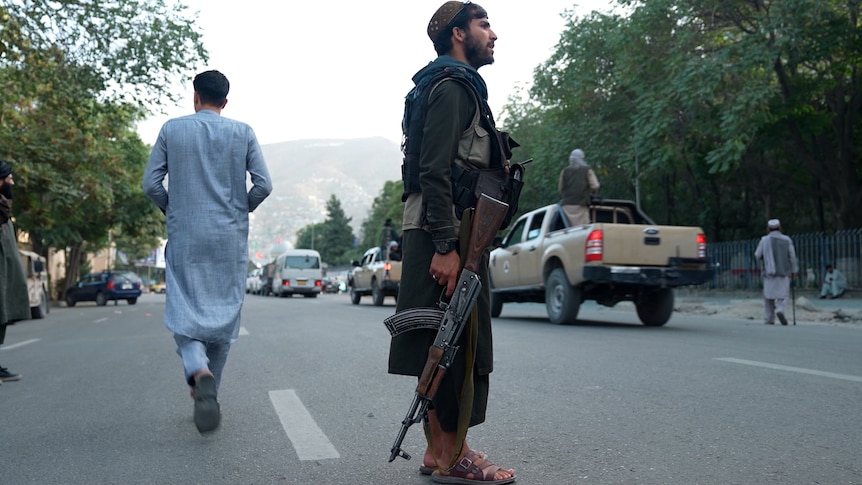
205,157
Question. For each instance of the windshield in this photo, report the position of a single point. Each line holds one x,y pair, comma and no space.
302,262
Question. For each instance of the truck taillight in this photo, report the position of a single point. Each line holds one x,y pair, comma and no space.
285,282
701,246
110,285
595,246
318,283
387,266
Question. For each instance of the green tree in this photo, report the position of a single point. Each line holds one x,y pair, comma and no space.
385,206
75,77
333,238
709,107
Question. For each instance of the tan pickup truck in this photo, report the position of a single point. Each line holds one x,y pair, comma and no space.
375,275
621,256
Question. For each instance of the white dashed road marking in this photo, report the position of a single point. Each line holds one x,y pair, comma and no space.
21,344
799,370
308,439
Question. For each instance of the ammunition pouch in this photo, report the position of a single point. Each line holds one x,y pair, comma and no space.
468,185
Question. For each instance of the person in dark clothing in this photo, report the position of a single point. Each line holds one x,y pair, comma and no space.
14,298
453,127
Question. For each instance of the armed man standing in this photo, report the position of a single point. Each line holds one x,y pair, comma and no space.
444,116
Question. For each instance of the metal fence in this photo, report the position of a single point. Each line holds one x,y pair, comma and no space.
736,267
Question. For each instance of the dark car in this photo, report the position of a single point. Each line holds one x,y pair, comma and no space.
101,287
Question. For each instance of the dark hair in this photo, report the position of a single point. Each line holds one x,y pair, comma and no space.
212,87
443,43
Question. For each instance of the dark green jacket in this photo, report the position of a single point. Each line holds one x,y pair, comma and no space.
14,298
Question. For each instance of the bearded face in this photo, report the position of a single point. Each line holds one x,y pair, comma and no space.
478,48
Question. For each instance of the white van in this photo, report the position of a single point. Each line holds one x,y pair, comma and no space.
298,271
37,282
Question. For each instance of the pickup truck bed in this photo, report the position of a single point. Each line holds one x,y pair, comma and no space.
621,256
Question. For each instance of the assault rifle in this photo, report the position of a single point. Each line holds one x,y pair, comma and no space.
450,319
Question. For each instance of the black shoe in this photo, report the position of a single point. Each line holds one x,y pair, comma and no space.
7,376
781,317
207,412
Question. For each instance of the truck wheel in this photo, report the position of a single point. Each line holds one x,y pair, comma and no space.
654,309
132,301
70,302
354,296
101,299
496,304
376,294
561,299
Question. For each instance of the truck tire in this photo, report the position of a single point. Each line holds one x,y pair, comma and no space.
70,302
354,296
377,294
562,300
101,299
655,308
496,304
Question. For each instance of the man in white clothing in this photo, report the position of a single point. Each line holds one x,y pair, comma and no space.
779,267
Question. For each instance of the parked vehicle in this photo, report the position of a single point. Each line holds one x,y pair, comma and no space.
298,272
37,282
253,282
375,275
101,287
621,256
158,287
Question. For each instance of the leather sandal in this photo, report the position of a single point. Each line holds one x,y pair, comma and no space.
468,472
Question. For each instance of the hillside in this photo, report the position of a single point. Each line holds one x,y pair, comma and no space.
306,173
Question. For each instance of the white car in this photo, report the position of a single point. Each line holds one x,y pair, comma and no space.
253,283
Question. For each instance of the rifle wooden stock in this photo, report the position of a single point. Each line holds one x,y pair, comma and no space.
432,374
487,218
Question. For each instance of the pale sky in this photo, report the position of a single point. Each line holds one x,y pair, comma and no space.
340,68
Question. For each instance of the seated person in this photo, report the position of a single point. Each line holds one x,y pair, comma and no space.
834,283
394,251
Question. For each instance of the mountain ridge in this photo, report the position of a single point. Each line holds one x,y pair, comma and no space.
305,173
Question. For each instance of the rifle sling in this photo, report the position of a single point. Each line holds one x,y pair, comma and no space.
465,406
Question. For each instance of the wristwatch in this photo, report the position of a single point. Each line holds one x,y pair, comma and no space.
447,246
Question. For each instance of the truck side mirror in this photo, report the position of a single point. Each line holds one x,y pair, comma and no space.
498,242
355,263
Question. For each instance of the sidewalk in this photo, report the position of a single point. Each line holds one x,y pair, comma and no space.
748,304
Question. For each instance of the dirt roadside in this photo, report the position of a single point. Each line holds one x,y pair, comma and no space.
749,306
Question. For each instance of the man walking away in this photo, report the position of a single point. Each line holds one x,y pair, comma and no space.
206,209
779,268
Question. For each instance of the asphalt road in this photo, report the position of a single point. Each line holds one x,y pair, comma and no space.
306,400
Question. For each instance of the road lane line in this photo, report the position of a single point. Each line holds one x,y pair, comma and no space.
21,344
100,320
242,330
799,370
308,439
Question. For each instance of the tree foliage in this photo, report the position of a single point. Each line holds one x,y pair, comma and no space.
75,78
385,206
332,238
710,112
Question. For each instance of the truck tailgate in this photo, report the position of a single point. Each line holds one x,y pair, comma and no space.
642,245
